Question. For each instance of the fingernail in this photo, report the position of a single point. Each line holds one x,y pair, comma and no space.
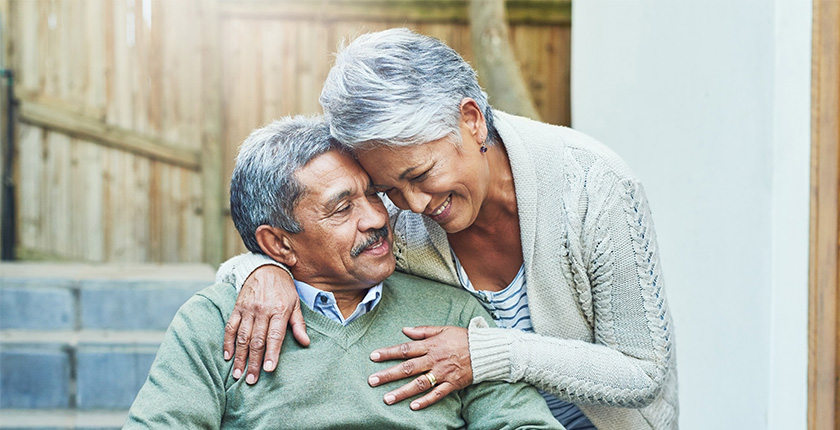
251,379
374,355
389,398
227,355
415,406
237,373
269,366
373,381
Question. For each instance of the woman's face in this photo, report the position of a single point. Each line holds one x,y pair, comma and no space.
440,179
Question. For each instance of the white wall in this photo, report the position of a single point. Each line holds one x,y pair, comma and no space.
708,101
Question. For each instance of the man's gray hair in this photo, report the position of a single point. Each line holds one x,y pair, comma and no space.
399,88
263,189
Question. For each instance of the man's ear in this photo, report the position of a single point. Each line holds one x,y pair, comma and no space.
275,243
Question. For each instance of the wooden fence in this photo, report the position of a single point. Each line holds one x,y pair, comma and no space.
130,112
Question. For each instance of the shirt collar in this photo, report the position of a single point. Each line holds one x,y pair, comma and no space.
324,302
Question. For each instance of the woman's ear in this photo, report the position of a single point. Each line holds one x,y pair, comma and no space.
275,243
472,118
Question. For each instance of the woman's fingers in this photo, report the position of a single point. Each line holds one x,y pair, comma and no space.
399,352
256,348
400,371
418,385
441,360
440,391
274,340
231,328
243,339
254,334
422,332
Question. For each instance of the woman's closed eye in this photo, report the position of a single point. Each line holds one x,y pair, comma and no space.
421,177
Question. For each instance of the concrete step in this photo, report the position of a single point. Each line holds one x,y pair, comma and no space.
22,419
77,341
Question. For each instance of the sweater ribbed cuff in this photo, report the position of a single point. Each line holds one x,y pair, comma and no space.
490,353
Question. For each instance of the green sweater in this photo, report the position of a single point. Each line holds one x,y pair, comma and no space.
324,385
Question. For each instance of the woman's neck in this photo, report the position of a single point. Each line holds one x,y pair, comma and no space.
499,206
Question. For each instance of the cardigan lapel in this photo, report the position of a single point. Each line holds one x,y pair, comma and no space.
441,242
525,185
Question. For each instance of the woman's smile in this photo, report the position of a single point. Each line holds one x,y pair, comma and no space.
442,211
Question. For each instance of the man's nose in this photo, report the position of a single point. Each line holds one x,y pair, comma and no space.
374,217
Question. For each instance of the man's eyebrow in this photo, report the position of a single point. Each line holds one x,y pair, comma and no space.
336,199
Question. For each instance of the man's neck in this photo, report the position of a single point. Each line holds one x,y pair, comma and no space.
347,297
347,301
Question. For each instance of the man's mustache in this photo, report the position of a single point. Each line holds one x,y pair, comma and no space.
381,233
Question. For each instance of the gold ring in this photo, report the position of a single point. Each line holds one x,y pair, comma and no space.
432,379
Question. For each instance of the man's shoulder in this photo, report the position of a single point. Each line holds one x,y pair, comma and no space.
409,287
220,296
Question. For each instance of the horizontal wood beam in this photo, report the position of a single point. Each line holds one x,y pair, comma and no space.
535,12
85,127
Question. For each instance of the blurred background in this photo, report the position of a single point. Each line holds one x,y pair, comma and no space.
121,120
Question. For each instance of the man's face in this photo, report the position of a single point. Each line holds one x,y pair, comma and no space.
346,240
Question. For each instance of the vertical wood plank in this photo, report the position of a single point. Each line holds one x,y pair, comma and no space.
26,40
211,138
29,202
156,214
95,48
120,105
138,209
288,69
139,82
144,63
169,207
109,46
93,202
311,62
47,42
276,103
195,222
76,195
823,330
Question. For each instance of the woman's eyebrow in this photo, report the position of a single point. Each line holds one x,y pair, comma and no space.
406,172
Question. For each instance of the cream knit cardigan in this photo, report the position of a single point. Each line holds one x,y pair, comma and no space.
603,333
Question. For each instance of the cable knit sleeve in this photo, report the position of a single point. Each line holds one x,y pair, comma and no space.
614,267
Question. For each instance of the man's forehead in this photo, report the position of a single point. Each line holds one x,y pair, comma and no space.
332,175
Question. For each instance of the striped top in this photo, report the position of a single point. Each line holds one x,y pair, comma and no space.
509,309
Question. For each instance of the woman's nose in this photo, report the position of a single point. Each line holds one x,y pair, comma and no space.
416,201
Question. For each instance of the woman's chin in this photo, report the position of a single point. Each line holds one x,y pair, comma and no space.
453,225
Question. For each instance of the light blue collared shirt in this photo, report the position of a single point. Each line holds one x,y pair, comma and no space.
324,303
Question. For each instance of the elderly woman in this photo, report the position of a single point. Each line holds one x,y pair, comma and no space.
548,228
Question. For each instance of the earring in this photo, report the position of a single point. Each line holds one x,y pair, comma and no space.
483,148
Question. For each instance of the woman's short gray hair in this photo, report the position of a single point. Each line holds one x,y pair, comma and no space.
263,188
399,88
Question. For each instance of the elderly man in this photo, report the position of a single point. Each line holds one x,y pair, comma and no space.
299,199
